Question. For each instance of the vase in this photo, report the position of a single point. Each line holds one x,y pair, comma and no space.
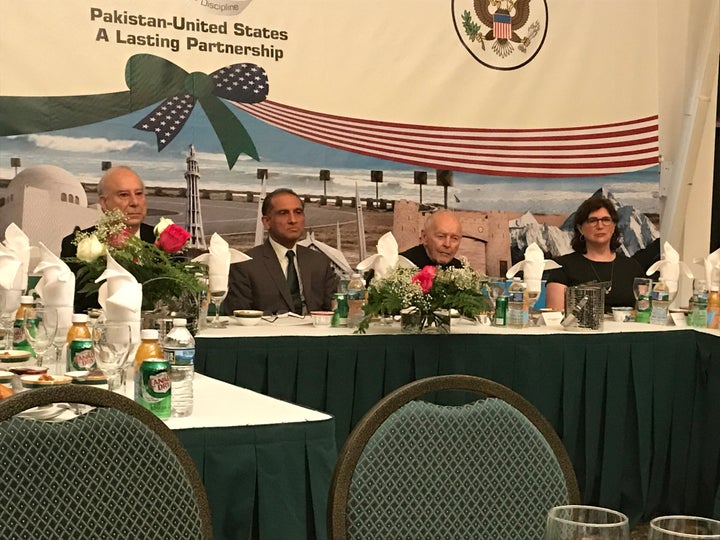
415,322
190,306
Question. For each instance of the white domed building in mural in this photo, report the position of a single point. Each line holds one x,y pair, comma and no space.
46,202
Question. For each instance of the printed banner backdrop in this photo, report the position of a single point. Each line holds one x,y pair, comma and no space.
512,95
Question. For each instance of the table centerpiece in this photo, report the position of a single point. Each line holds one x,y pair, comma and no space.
427,296
169,281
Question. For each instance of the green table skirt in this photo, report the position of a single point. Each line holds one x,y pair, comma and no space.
267,482
639,413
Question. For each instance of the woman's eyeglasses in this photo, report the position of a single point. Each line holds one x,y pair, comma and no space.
605,220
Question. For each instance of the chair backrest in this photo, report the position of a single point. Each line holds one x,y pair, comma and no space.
488,469
116,471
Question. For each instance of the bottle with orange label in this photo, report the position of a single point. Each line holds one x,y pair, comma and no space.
149,347
713,308
79,354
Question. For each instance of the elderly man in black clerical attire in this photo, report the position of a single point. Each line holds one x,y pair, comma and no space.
440,240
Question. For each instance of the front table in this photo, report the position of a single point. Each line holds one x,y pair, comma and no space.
636,405
266,464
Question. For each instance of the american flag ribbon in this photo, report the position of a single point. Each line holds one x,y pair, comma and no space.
593,150
246,83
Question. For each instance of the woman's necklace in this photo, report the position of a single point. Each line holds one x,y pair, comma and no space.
612,272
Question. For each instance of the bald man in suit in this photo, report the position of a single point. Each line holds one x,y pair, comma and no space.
263,282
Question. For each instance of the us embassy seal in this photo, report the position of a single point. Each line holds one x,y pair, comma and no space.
501,34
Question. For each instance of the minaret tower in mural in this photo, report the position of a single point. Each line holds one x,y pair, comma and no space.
193,216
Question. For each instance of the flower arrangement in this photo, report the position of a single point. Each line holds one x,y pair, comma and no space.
165,276
429,293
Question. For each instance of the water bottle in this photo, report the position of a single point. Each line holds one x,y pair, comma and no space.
356,300
517,310
698,311
179,351
660,303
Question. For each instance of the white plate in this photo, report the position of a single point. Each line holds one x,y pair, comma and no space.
46,412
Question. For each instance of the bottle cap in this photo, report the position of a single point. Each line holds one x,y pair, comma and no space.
27,299
149,333
79,318
179,322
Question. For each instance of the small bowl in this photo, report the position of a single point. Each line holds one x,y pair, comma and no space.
247,317
41,381
622,314
321,318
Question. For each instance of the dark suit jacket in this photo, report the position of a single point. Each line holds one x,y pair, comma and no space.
261,284
68,249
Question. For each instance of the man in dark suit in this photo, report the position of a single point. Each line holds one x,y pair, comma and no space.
440,238
266,281
118,188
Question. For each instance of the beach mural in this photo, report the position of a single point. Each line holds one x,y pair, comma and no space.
527,101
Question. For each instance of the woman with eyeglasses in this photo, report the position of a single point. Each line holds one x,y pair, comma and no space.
595,258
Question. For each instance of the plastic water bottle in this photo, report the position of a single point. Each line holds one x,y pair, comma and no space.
356,300
698,312
179,350
517,310
660,303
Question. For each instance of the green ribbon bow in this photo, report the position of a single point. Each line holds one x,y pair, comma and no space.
151,79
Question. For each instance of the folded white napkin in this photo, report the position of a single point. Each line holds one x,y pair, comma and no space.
120,296
533,267
386,258
219,257
669,267
56,286
711,264
18,243
11,272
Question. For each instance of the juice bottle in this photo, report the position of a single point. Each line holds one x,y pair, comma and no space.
27,305
149,348
713,308
79,355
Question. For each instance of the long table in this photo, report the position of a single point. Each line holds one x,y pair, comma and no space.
637,406
266,464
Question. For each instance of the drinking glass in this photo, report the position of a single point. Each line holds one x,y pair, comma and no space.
679,527
576,522
217,298
9,304
40,330
111,343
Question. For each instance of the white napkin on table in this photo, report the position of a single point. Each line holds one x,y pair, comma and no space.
17,242
219,257
120,296
712,266
56,286
533,267
669,267
386,258
11,271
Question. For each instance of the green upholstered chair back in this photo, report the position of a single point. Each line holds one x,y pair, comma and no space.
488,469
116,471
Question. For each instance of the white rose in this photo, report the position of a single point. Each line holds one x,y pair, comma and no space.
162,225
90,248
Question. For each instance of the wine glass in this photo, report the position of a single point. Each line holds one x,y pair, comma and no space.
9,304
111,344
40,330
217,298
577,522
678,527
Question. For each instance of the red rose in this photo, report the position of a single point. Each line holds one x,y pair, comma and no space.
425,278
119,239
172,239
